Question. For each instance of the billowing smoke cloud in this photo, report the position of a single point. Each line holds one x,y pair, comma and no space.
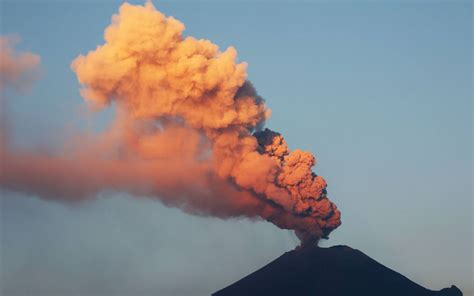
188,132
17,70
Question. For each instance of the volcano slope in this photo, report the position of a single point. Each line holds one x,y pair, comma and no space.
334,271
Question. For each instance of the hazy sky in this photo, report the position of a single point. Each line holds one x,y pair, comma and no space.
380,92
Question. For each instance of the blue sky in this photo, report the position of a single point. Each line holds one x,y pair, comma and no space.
380,92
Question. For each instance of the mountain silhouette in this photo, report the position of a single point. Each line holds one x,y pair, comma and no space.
334,271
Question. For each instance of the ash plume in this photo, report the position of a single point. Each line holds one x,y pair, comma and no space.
17,70
188,132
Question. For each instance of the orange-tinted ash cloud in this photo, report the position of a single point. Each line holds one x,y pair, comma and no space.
189,132
18,70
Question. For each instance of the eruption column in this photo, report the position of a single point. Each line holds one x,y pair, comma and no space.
189,132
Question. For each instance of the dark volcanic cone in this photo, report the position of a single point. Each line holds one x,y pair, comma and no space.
333,271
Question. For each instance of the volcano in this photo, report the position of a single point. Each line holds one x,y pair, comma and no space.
334,271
